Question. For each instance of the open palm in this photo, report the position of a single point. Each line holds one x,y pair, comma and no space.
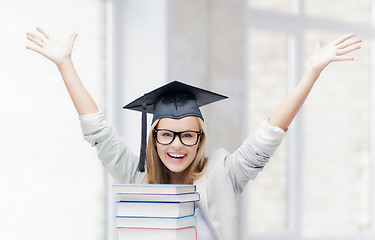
333,52
56,50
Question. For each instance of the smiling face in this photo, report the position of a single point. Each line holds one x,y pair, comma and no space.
176,156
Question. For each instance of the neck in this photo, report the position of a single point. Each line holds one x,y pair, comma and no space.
176,178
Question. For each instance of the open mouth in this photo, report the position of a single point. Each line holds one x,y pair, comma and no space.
177,156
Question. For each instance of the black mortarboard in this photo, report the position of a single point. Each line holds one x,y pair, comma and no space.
173,100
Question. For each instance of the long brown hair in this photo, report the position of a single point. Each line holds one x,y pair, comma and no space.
158,173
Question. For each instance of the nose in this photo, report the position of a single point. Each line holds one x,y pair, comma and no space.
176,143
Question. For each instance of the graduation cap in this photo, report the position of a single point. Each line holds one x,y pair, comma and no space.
174,100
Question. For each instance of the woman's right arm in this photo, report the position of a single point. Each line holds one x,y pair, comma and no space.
111,149
59,51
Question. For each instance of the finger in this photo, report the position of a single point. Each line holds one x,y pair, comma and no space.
73,37
42,31
348,50
318,44
343,38
35,49
34,35
35,40
343,58
349,43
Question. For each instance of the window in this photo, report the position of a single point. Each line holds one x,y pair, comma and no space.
320,184
267,80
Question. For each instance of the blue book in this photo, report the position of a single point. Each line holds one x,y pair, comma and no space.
153,197
155,209
156,222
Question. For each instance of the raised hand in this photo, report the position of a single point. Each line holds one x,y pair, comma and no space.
56,50
59,51
320,58
333,52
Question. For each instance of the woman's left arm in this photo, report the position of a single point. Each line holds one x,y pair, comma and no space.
320,58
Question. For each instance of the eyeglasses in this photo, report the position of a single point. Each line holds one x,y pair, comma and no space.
165,136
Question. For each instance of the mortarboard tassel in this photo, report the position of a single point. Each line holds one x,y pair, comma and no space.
142,155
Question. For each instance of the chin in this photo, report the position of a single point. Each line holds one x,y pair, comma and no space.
177,169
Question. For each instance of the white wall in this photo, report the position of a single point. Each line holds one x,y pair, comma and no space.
206,50
137,32
52,186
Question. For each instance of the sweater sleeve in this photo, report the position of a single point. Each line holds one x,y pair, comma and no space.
110,147
248,160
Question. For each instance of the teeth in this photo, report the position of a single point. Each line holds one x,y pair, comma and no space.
176,155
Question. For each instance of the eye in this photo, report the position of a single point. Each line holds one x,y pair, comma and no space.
187,135
165,134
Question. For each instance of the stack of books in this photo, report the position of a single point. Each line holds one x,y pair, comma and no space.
155,211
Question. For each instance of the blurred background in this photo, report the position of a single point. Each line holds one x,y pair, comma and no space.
320,183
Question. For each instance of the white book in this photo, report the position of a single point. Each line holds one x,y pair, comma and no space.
155,209
147,197
153,188
189,233
164,223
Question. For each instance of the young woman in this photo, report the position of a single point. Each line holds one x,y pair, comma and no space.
175,151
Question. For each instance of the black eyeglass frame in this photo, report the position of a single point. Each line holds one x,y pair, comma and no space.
155,131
